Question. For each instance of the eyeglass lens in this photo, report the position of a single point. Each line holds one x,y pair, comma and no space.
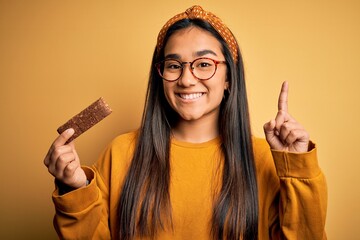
202,68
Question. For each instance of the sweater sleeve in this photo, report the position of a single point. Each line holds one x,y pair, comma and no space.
302,201
91,212
83,213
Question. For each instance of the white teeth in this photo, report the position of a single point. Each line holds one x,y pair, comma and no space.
190,96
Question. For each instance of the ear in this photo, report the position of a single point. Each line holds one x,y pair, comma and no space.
226,85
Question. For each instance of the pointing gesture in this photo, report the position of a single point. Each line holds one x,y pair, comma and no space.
284,133
283,97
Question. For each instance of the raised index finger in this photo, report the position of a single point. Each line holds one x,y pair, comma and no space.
283,97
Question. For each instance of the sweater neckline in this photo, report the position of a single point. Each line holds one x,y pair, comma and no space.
213,142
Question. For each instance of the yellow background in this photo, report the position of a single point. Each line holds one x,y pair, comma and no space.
56,57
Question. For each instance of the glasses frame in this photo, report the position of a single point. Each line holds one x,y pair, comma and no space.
216,62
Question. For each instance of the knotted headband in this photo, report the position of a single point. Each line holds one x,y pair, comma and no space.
196,12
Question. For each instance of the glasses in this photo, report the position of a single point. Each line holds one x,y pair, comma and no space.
201,68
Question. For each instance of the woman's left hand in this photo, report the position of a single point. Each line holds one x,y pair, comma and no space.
284,133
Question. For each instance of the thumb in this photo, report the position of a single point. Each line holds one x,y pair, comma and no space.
72,145
271,134
269,128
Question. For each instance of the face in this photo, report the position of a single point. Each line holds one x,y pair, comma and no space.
193,99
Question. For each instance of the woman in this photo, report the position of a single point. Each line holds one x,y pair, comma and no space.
193,170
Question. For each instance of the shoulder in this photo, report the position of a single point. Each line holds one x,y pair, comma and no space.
123,145
120,148
125,139
262,154
260,147
267,179
116,156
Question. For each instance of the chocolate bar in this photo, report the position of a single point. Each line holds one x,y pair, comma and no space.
86,118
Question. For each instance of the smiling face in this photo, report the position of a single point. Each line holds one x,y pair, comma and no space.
191,98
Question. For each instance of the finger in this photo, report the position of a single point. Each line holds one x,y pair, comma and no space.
57,154
72,145
297,135
283,97
59,141
70,169
269,127
48,156
63,137
298,141
57,166
286,128
60,151
270,134
47,159
64,160
74,173
54,154
281,118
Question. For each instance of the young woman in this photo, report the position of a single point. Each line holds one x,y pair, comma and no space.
193,170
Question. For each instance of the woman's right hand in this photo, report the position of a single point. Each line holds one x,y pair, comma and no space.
63,162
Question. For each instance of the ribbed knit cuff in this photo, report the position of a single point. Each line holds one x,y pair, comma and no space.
77,199
297,165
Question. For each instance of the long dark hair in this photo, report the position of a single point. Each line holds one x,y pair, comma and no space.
144,205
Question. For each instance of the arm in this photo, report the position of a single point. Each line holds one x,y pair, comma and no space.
82,212
302,202
303,196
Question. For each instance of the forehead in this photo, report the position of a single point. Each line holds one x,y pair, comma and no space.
192,40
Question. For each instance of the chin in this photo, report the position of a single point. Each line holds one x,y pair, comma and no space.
190,117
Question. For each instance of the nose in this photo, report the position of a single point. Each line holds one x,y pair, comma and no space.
187,78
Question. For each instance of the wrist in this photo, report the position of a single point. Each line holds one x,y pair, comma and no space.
64,188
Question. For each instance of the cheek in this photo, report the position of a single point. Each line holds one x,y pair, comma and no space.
216,93
219,96
221,77
220,85
220,92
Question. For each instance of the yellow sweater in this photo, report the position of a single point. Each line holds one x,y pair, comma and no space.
292,193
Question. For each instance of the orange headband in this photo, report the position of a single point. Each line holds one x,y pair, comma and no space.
196,12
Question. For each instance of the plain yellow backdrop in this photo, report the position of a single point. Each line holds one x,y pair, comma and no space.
56,57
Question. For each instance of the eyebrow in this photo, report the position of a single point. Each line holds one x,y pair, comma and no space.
173,55
197,54
204,52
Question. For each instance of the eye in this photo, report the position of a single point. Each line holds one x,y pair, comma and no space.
172,64
203,63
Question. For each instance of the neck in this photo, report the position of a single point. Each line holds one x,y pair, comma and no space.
196,131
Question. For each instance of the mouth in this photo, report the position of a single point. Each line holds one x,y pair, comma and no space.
190,96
